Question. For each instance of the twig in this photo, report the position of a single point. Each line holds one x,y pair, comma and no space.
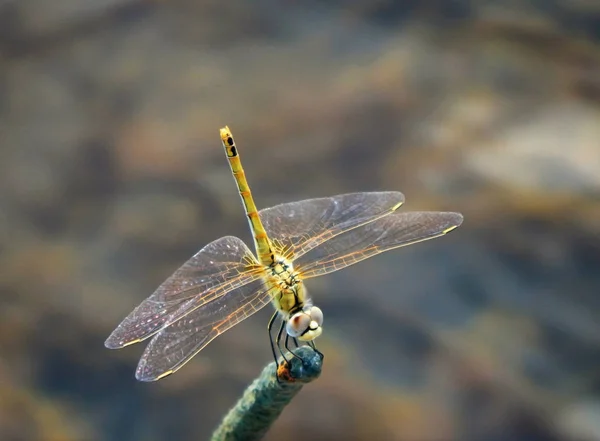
266,397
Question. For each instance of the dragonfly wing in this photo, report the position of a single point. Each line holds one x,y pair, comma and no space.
297,227
219,267
176,344
387,233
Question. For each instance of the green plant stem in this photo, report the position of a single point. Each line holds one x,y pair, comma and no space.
264,400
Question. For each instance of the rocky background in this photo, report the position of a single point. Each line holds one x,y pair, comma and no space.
112,175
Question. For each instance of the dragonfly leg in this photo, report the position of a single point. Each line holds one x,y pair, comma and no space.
296,342
287,339
279,334
269,328
314,347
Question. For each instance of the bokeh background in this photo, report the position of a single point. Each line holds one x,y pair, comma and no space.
112,175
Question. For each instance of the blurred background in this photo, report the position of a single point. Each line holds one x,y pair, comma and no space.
112,175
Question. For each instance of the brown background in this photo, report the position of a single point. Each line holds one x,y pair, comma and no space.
112,175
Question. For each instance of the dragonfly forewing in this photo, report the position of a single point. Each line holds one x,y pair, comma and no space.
298,227
219,267
390,232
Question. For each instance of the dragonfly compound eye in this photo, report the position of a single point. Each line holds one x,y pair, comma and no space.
306,325
298,324
316,315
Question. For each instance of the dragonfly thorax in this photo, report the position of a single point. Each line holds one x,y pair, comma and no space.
289,293
283,272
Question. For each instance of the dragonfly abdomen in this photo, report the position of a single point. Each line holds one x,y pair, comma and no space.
261,241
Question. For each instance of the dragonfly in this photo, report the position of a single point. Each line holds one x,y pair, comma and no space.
225,282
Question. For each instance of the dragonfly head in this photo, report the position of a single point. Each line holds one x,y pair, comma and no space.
306,324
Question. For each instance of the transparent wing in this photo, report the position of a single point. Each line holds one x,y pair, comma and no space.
298,227
176,344
219,267
387,233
